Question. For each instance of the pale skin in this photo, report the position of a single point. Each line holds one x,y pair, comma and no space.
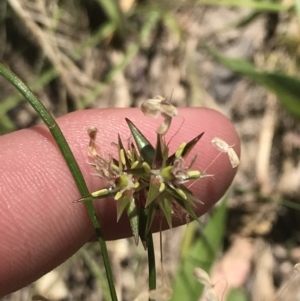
40,226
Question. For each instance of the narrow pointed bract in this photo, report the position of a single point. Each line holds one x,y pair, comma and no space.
145,148
133,215
186,149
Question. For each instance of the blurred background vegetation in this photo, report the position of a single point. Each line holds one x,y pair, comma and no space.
238,57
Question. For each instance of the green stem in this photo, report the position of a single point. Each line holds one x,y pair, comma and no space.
70,160
151,262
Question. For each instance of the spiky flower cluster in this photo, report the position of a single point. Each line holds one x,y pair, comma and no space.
146,180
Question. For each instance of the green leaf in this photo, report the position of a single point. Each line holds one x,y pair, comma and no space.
286,88
147,151
201,254
263,6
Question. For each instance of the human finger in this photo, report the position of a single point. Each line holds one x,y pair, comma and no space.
40,226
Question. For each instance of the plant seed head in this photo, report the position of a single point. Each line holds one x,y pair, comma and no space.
145,176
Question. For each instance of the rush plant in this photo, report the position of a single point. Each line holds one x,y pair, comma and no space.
145,180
